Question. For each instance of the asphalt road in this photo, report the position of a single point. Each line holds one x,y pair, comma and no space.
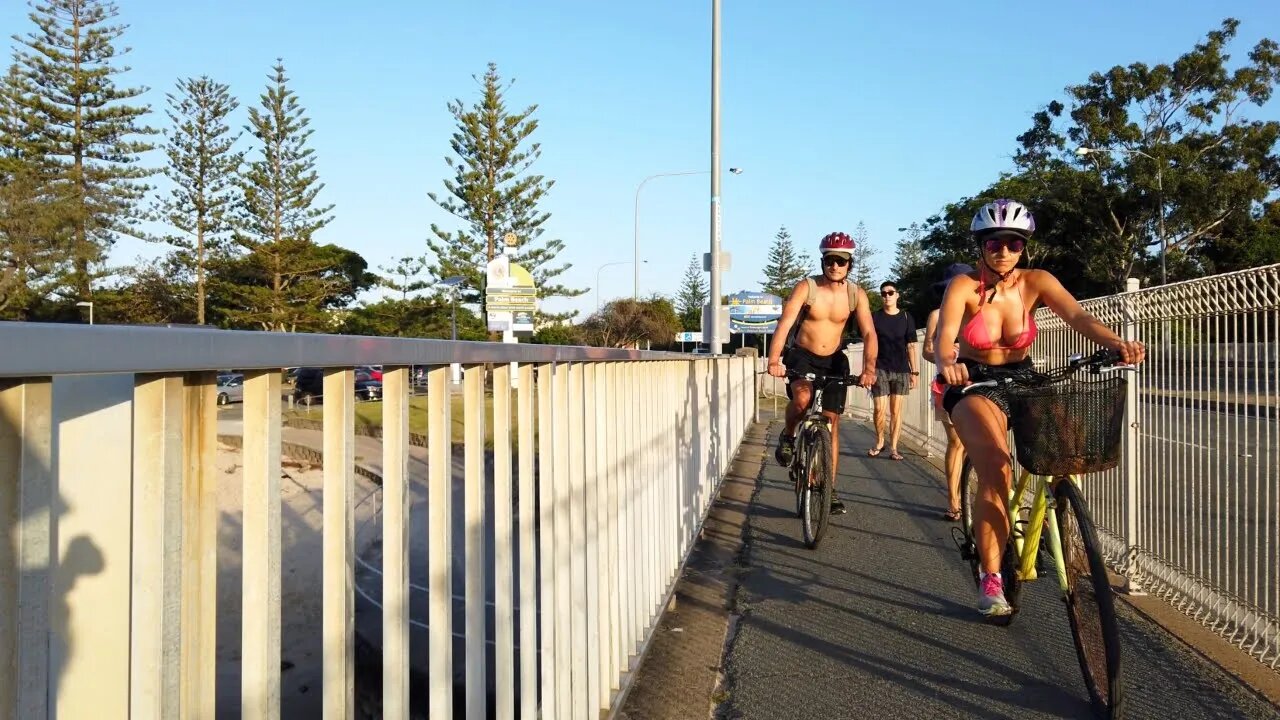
879,621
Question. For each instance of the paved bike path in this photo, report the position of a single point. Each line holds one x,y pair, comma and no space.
879,621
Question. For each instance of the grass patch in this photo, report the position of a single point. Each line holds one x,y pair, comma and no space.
370,414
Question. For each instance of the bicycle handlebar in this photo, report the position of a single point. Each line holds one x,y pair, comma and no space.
814,377
1102,361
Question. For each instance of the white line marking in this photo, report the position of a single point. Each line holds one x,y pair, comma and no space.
1177,442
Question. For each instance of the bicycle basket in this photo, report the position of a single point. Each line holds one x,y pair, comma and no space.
1071,427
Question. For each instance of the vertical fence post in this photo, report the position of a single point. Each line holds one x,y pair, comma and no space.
1132,438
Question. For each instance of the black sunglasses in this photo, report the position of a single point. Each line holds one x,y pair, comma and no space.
1015,245
887,293
837,260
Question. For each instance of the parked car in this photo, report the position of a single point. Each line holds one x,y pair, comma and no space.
308,386
230,388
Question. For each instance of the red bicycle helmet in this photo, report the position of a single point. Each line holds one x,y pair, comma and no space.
836,242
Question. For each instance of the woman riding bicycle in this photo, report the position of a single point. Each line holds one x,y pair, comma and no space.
990,311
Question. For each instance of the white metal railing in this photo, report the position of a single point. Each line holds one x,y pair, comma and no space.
1193,511
108,497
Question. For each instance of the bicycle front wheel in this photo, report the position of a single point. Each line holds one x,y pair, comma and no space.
816,501
1090,605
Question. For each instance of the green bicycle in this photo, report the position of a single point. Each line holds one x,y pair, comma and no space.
1064,426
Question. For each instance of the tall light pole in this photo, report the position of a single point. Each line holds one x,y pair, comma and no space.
714,263
635,289
602,267
85,303
1164,242
452,283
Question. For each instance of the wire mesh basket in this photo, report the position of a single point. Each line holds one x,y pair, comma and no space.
1069,428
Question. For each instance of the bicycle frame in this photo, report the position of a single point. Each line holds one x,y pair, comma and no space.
1027,541
812,415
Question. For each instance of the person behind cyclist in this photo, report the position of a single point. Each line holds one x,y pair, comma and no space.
819,309
990,312
954,458
897,369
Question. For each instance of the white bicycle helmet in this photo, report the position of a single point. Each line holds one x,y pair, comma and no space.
1003,214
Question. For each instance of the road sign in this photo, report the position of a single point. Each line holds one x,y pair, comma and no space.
689,337
499,321
509,290
504,300
754,312
522,322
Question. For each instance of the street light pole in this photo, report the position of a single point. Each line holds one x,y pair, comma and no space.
635,288
453,283
453,314
635,291
714,264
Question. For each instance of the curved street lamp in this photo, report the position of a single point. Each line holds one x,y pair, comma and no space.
635,289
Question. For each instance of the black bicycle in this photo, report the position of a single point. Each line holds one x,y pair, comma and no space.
1063,426
810,469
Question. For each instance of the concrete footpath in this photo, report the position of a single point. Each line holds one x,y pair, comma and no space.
879,621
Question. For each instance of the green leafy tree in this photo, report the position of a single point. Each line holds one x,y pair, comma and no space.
861,270
33,218
631,323
692,296
149,293
202,167
405,276
493,193
420,317
86,126
785,266
909,253
557,334
241,291
286,281
1174,160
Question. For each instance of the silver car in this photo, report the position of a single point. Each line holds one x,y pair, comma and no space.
230,388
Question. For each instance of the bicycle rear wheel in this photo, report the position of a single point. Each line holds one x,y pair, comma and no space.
968,495
1090,605
816,502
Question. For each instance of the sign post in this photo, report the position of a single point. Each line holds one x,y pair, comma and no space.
688,337
754,313
510,298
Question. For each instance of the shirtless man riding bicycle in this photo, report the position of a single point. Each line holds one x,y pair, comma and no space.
819,308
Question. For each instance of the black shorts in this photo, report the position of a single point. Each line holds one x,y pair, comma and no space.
797,359
997,394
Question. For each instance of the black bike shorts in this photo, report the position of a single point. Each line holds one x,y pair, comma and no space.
797,359
997,394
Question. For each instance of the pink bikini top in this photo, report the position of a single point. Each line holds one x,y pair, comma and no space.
975,332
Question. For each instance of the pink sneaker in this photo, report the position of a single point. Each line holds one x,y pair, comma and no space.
991,602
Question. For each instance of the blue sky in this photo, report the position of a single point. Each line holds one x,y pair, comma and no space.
839,112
